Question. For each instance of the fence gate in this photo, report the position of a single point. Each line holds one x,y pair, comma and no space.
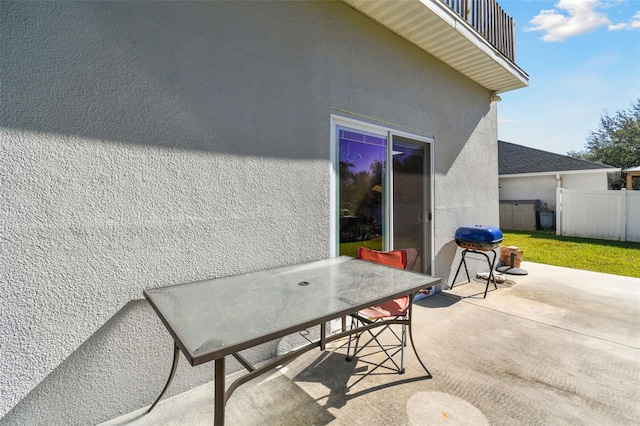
611,215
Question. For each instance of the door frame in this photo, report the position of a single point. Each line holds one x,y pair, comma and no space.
388,132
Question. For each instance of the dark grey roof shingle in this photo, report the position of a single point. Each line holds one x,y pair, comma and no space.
516,159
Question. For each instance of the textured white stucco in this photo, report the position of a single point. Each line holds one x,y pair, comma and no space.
543,188
595,181
151,143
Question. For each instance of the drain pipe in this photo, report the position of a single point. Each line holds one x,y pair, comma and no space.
558,204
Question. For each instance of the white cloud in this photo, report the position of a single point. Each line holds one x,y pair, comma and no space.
633,24
620,26
568,19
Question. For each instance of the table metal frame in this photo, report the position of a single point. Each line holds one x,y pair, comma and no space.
222,393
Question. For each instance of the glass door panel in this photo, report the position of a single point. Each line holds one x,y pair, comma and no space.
362,190
411,201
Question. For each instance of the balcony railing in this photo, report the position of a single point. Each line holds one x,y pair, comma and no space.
488,18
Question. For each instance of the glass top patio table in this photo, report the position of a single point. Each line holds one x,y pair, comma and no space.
213,318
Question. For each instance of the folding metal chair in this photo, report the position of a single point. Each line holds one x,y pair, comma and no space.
391,312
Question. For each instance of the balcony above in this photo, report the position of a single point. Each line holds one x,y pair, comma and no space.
475,37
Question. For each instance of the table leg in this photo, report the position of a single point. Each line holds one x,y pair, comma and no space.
174,367
219,399
413,345
323,336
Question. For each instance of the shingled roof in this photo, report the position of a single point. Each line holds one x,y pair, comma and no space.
517,159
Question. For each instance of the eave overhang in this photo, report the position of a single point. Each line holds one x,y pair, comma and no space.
561,173
435,28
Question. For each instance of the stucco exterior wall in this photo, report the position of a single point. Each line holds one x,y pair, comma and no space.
544,187
152,143
596,181
529,188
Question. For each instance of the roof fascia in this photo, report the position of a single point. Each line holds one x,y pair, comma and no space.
566,172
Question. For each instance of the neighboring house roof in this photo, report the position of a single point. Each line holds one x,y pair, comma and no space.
517,160
632,169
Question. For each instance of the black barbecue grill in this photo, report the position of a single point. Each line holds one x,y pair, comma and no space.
478,240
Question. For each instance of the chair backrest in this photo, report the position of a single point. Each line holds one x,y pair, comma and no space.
395,258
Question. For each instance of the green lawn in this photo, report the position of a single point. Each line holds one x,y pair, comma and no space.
612,257
349,249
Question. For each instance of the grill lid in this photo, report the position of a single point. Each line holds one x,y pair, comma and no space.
478,237
479,233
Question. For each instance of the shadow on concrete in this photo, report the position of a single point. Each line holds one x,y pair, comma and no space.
340,377
438,301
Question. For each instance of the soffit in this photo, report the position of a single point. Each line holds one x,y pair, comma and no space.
435,28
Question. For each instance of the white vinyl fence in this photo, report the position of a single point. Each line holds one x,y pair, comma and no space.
610,215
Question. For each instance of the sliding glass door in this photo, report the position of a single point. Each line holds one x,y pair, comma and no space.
411,196
362,190
383,185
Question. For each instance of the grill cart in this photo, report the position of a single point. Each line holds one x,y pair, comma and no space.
479,240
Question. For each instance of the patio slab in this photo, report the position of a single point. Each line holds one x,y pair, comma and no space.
557,346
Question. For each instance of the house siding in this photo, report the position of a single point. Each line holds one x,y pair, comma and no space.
543,188
153,143
595,181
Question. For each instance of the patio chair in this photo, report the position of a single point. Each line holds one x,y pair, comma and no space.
391,312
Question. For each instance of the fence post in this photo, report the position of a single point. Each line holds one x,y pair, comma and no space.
558,211
623,214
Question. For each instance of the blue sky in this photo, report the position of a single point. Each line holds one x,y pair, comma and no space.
583,60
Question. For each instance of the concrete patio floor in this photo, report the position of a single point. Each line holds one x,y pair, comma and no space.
557,346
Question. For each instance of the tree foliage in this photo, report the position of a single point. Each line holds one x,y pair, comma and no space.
357,193
617,141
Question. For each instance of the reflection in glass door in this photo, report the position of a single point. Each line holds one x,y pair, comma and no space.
378,206
411,201
362,190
